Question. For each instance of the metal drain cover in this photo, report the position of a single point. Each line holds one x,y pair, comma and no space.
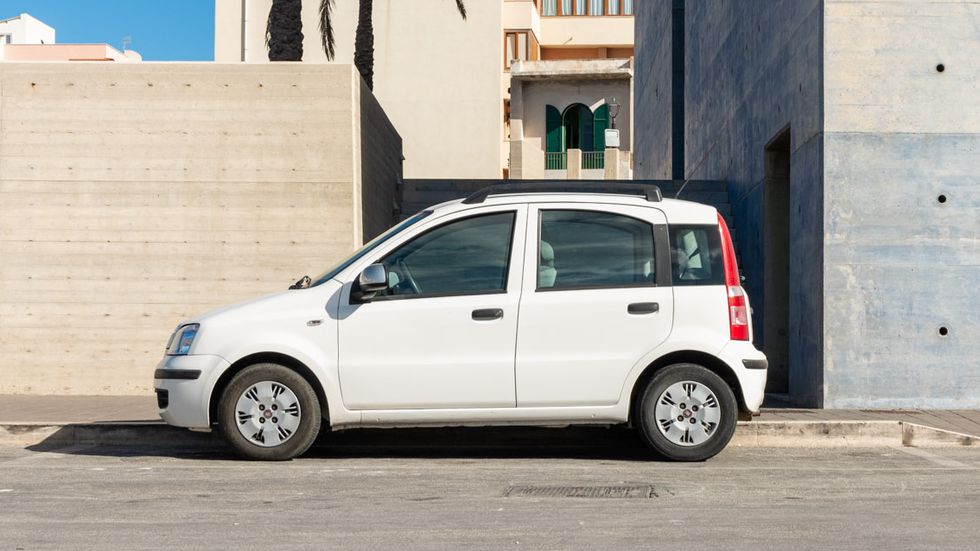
639,491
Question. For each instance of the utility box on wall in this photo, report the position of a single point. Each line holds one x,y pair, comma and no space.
612,138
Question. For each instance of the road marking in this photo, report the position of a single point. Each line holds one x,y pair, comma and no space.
938,460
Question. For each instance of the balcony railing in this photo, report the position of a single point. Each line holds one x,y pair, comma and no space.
593,160
555,161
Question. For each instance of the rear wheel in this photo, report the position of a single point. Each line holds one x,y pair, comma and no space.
269,412
687,413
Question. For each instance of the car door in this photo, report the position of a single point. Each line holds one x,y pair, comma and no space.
596,298
444,332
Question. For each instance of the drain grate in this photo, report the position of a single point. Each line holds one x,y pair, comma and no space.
640,491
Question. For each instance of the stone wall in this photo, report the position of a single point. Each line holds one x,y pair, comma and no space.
133,196
900,264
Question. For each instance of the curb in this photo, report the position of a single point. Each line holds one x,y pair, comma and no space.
749,434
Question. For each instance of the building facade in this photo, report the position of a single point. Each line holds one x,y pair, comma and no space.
849,135
447,84
26,38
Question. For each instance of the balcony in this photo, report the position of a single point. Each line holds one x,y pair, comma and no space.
574,164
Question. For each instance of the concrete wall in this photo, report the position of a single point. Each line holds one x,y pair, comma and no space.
900,264
437,76
379,160
133,196
751,70
653,87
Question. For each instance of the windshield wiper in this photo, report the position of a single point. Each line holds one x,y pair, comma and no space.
303,283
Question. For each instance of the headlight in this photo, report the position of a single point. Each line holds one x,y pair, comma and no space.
180,343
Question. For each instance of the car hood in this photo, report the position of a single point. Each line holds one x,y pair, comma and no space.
284,304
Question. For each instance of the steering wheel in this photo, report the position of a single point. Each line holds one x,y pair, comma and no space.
403,268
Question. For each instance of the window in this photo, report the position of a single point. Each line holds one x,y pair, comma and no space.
696,255
516,47
5,38
468,256
373,244
582,249
586,7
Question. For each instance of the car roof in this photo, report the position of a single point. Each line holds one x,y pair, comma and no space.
677,211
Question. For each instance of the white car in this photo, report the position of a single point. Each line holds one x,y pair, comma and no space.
545,304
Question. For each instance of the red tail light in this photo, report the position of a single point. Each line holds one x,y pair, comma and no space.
738,310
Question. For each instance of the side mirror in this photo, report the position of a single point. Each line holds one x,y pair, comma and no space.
373,279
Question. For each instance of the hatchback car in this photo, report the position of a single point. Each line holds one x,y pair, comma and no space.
519,305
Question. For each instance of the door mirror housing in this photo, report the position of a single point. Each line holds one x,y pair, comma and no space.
372,280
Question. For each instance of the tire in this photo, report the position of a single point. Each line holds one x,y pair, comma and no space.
699,430
269,412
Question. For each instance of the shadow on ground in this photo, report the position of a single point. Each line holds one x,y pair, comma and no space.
157,440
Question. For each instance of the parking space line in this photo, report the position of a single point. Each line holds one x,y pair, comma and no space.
938,460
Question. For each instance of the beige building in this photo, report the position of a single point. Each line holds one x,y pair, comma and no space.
447,84
135,195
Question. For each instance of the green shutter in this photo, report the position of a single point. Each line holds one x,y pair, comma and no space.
585,128
601,122
555,142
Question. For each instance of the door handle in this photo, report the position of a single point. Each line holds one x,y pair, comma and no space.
488,314
643,308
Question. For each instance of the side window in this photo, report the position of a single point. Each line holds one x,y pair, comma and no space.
695,253
582,249
468,256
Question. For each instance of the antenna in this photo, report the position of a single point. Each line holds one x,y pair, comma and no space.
127,41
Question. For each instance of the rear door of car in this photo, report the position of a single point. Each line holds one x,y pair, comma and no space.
596,298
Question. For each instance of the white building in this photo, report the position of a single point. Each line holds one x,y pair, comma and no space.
26,38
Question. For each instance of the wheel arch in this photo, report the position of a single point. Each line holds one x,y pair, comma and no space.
710,362
284,360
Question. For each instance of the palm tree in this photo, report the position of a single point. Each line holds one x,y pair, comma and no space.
364,37
284,30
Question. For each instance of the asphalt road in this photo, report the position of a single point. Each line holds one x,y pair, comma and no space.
377,497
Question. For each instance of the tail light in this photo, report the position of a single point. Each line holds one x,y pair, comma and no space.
738,310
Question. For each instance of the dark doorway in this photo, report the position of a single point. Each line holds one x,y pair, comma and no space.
776,243
577,120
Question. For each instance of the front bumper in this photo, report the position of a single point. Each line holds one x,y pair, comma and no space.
749,366
183,385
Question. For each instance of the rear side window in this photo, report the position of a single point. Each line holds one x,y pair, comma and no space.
581,249
695,255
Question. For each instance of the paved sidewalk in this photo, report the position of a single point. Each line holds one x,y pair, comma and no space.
116,409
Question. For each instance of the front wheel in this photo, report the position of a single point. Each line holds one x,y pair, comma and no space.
687,413
269,412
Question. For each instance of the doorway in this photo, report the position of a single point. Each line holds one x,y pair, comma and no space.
776,256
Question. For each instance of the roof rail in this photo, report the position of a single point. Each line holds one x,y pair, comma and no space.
648,191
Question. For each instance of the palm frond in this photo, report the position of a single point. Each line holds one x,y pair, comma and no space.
461,7
326,28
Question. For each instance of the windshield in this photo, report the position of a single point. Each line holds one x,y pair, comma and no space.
370,246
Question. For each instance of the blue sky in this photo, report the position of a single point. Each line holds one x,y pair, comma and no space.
161,30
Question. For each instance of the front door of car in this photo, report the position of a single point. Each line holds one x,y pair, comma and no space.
596,299
443,334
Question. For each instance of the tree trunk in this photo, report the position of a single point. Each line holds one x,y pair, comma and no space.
364,43
284,30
